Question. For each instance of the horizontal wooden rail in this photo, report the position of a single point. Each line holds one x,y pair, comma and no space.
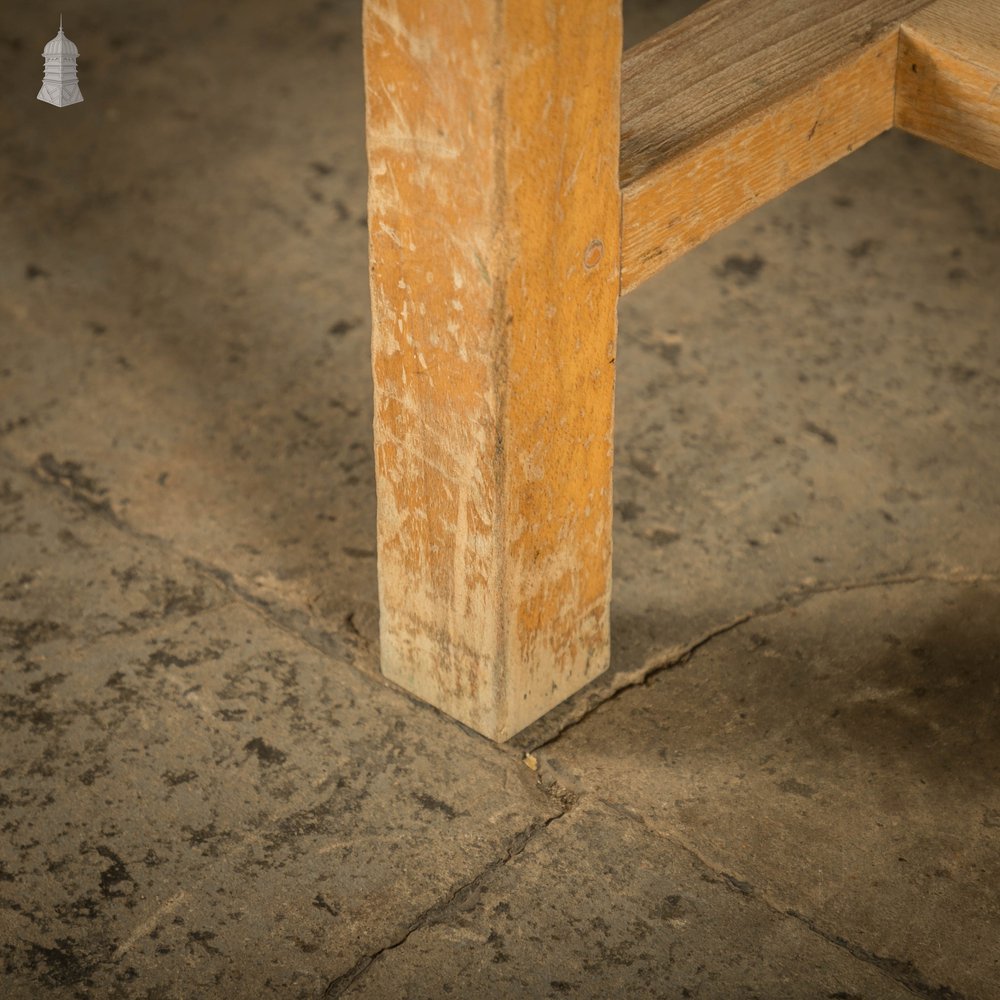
740,101
948,79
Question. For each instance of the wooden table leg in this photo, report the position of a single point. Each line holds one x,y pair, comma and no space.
495,221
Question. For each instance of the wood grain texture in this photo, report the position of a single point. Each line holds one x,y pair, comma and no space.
948,77
494,221
737,103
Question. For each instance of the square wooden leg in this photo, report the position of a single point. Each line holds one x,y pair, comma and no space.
495,220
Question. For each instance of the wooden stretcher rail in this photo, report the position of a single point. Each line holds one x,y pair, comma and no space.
745,98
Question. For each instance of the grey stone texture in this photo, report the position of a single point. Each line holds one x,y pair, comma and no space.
788,785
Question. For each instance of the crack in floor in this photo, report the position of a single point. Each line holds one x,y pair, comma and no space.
436,913
660,662
903,973
47,473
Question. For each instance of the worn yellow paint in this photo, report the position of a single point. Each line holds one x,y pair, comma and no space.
948,79
494,220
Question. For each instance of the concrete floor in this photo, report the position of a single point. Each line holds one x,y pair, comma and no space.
788,786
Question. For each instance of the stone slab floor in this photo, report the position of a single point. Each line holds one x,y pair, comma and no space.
788,786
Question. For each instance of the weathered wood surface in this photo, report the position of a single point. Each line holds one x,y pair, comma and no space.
948,76
735,104
494,220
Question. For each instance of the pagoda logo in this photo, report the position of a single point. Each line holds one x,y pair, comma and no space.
59,85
